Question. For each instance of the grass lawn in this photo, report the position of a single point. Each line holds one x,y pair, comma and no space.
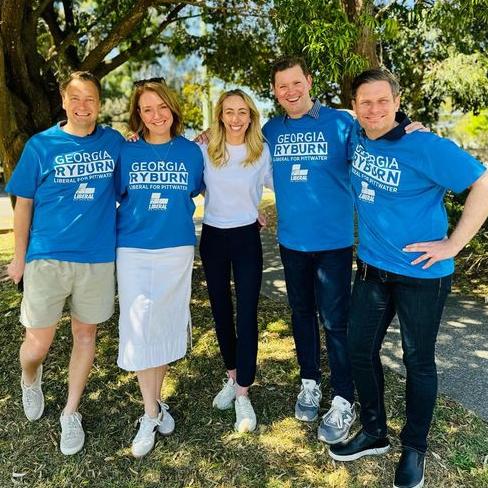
204,451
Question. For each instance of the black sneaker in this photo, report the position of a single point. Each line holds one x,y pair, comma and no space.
410,469
362,444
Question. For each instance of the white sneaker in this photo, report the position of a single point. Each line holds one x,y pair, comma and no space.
167,422
245,416
224,398
308,401
336,423
72,435
144,440
32,397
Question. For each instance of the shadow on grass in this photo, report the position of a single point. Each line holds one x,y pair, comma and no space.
204,451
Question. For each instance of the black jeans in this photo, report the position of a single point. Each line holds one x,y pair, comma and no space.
321,282
377,295
238,249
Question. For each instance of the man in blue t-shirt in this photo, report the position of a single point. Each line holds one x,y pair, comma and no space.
64,226
399,184
315,233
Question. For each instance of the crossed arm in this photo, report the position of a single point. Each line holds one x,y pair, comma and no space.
22,223
474,214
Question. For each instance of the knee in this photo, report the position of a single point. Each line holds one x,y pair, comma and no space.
34,349
36,346
84,336
419,365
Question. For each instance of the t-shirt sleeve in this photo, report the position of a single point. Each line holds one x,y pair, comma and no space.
351,141
268,168
26,176
118,180
265,130
450,166
199,186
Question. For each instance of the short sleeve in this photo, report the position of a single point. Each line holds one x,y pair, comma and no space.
268,168
450,166
199,185
25,178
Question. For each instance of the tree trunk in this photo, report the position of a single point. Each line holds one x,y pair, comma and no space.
366,44
29,100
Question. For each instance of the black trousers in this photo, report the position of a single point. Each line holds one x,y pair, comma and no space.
376,296
237,249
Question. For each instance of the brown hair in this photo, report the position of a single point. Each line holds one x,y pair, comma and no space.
169,98
288,62
377,74
83,76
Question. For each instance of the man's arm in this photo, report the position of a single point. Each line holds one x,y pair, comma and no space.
22,223
474,214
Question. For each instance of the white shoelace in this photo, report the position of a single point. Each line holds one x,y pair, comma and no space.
309,397
335,416
147,426
246,408
72,426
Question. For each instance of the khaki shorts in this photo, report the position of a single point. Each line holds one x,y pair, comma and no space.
89,288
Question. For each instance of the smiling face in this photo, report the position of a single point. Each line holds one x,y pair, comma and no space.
236,117
81,101
156,116
292,90
376,107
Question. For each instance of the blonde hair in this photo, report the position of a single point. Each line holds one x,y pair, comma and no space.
169,98
253,138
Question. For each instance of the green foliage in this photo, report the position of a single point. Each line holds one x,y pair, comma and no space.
321,31
438,53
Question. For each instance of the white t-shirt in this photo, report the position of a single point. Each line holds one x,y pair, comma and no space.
233,191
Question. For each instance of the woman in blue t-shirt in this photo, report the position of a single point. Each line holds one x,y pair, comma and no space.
157,178
237,165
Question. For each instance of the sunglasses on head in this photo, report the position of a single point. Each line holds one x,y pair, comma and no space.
158,79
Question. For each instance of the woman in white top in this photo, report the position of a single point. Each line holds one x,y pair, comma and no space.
237,165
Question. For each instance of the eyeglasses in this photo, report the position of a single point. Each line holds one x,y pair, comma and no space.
158,79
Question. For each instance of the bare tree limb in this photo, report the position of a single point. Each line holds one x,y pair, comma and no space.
136,47
124,27
42,6
68,14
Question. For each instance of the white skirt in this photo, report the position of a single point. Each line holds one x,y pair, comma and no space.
154,296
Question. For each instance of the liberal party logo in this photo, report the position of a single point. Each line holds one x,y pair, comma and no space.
367,194
158,203
84,192
298,174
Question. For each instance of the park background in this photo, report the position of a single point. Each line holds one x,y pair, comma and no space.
438,51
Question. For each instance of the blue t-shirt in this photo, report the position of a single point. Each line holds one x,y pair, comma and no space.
311,180
399,186
155,187
70,179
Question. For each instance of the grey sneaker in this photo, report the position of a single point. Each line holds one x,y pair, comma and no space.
224,398
335,424
167,422
32,397
144,440
72,435
245,416
308,401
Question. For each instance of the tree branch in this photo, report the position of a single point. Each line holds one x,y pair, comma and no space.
136,47
68,14
40,9
124,27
